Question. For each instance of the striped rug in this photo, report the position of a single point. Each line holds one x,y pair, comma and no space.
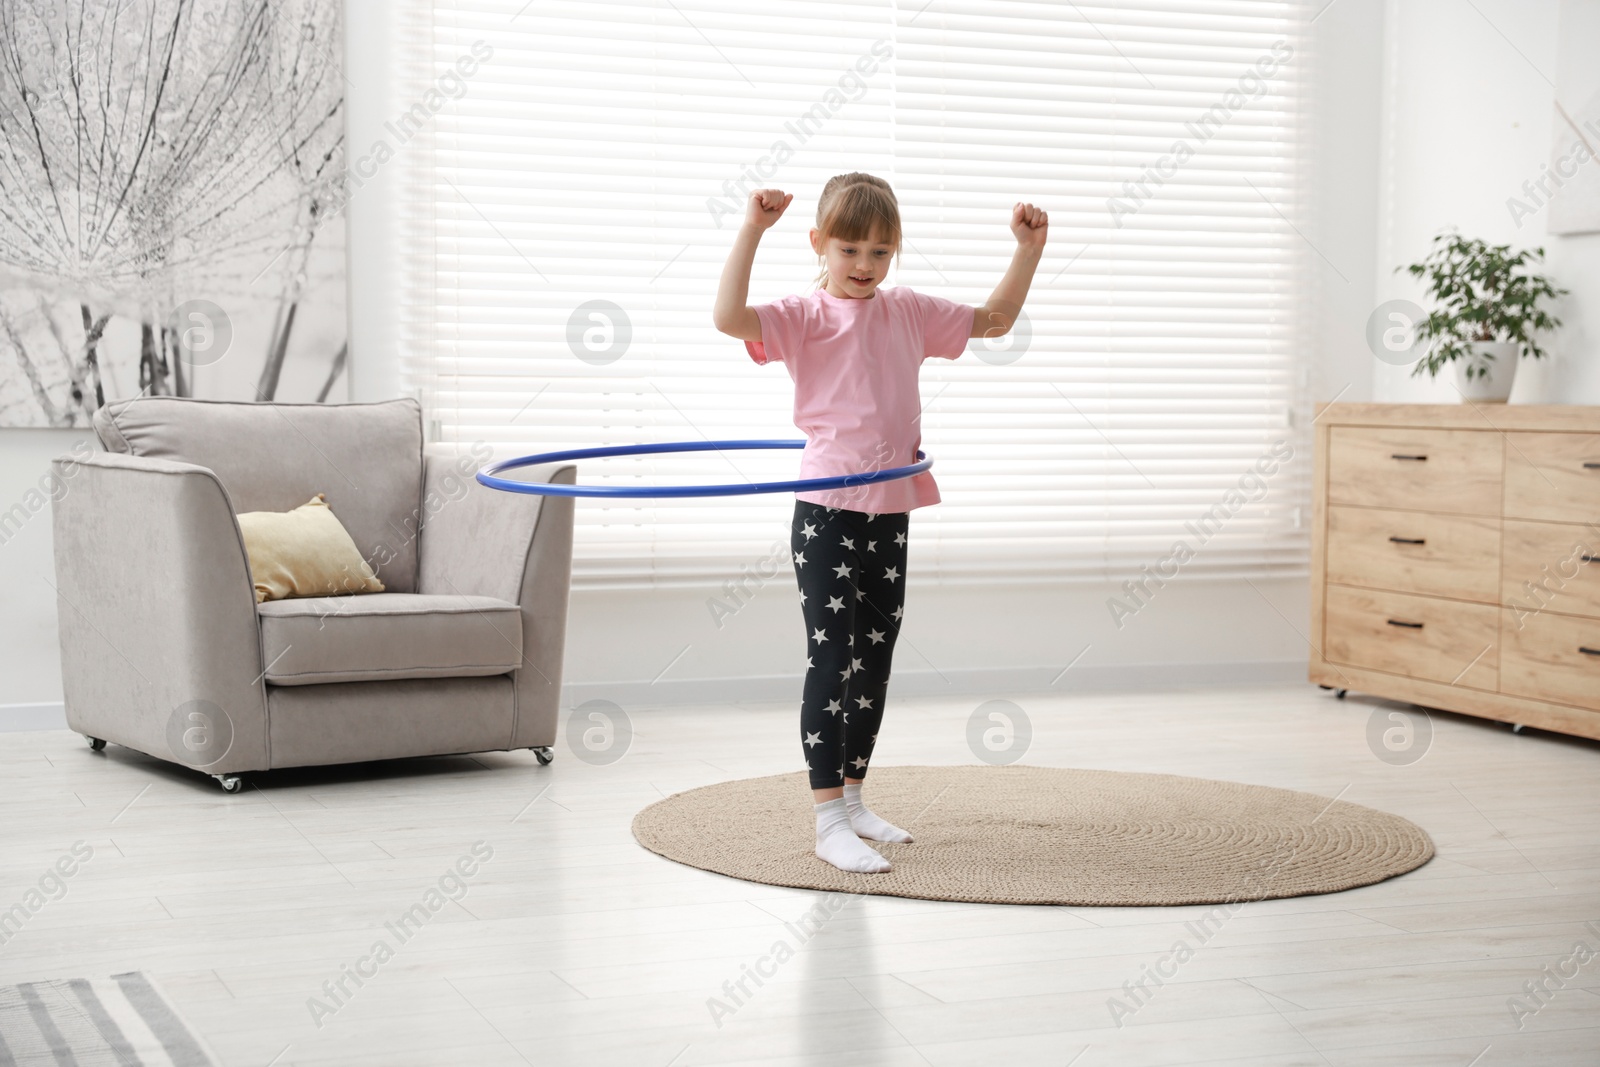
122,1020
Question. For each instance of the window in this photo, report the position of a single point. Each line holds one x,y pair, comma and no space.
569,203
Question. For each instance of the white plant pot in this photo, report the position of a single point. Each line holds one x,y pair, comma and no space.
1495,387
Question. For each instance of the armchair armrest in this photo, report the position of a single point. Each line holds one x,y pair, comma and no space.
160,644
477,541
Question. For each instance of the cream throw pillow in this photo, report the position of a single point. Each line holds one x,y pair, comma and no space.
304,552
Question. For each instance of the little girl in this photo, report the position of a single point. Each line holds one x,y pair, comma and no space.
854,351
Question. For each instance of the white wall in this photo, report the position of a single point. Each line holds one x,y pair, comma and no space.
371,48
29,655
1346,115
1468,92
664,646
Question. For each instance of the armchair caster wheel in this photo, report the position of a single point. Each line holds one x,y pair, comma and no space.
96,743
1341,693
544,755
231,783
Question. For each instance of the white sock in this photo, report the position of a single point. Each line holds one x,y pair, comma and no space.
838,844
865,823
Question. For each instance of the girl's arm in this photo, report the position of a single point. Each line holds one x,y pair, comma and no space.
732,315
996,318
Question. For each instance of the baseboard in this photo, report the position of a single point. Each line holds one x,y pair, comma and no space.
15,718
979,682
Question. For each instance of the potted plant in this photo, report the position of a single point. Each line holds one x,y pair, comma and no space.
1486,312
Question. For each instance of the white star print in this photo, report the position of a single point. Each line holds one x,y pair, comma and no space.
899,538
860,593
809,664
891,574
871,516
855,665
874,739
860,763
847,716
876,635
820,637
833,706
809,531
842,570
847,543
800,558
844,673
836,604
898,611
802,596
813,739
872,546
863,702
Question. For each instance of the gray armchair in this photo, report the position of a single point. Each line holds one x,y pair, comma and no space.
165,650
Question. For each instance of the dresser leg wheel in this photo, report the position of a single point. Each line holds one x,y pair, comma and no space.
1517,727
1342,693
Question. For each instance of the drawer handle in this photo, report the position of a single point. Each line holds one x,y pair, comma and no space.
1589,651
1415,626
1591,466
1587,558
1409,540
1401,455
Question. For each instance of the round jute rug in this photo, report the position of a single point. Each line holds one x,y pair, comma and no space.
1046,835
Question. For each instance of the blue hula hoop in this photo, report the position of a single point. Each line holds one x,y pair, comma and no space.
490,476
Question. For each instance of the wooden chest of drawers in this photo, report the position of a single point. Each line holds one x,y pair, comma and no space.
1456,558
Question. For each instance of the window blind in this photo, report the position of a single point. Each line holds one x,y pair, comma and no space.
567,207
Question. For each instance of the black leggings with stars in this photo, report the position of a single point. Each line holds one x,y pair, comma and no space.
851,568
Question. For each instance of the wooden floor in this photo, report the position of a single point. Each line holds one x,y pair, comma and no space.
572,944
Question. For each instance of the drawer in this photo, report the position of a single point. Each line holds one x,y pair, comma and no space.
1553,476
1416,636
1415,469
1550,566
1543,658
1415,552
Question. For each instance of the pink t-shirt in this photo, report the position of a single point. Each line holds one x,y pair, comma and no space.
855,365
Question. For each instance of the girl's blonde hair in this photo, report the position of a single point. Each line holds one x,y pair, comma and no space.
855,207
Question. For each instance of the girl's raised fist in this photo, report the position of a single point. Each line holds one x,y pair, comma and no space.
1029,224
767,207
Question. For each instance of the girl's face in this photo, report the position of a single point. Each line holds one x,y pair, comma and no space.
855,268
